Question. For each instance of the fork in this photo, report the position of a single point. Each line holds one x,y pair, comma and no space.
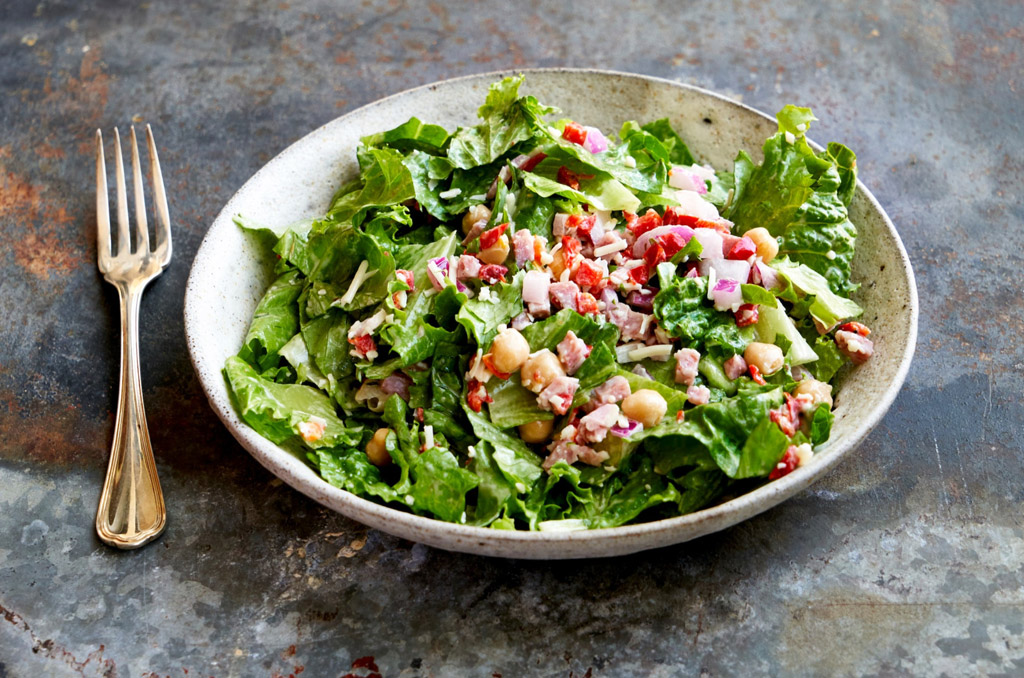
131,510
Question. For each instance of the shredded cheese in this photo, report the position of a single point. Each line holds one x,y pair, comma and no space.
656,352
428,436
357,281
610,249
450,193
622,352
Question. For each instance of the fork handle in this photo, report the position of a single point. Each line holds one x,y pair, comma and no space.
131,510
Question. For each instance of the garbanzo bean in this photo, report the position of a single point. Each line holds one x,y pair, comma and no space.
537,431
819,391
509,350
767,246
767,358
476,214
646,406
540,369
496,253
376,451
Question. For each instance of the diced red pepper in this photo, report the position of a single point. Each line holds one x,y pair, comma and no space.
491,235
406,277
786,465
672,243
492,273
586,303
570,250
783,421
574,133
477,395
588,274
674,216
645,223
755,374
793,407
679,416
419,414
489,364
654,255
363,344
742,250
582,223
639,274
857,327
630,220
719,225
746,315
532,161
569,178
538,251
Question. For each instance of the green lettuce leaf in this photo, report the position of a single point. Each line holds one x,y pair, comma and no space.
274,322
829,359
481,318
349,469
515,460
601,191
276,410
678,153
411,135
828,308
624,497
385,180
683,310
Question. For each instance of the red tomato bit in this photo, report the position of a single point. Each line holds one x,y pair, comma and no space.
574,133
786,465
491,235
746,315
854,326
755,374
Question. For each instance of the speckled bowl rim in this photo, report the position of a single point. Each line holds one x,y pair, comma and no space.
519,544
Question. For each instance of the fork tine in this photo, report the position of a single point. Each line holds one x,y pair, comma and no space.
141,222
163,216
124,241
102,205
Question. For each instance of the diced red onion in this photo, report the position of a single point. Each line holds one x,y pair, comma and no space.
442,265
727,295
726,269
627,430
460,287
686,180
768,276
711,242
642,300
595,141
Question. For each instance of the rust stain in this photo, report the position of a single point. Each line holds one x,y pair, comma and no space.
46,647
45,150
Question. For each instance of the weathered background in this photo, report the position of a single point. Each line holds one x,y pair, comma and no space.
908,560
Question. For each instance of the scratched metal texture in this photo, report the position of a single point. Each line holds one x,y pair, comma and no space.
906,560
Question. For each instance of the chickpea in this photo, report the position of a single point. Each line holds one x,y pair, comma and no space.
540,369
376,451
509,350
496,253
536,431
475,215
819,391
767,358
767,246
645,406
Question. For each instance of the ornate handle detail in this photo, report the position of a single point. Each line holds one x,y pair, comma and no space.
131,511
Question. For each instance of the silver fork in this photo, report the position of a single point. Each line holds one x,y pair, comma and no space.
131,511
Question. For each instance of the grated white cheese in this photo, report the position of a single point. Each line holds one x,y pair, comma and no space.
622,352
565,276
479,197
428,436
610,249
632,263
485,293
656,352
830,255
521,488
435,271
629,162
471,452
367,326
804,454
322,292
357,280
450,193
802,127
790,138
409,499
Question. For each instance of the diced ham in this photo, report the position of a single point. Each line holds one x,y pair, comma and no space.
854,346
594,427
698,395
686,365
521,321
632,324
570,452
735,367
558,395
564,294
468,267
536,285
397,382
558,225
572,351
522,243
611,391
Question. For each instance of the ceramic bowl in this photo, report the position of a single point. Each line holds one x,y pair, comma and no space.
231,272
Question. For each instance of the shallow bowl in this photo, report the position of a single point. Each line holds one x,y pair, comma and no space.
231,272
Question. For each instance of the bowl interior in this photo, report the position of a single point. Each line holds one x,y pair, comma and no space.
232,270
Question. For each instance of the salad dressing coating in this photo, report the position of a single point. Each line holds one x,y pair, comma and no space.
532,323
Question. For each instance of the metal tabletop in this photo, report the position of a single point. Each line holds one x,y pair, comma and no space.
907,560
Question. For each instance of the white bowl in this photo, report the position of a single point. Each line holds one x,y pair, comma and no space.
231,272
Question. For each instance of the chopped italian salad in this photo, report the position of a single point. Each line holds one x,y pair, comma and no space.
535,324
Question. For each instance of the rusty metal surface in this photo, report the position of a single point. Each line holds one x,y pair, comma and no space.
907,560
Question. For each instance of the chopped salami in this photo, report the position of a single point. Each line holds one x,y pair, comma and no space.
572,351
698,395
522,244
558,395
594,427
564,294
735,367
686,365
571,452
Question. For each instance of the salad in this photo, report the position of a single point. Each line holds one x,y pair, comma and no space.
530,324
